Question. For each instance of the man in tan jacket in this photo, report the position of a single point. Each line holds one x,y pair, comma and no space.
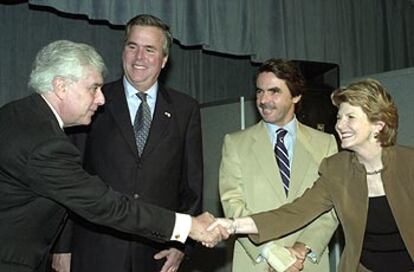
251,180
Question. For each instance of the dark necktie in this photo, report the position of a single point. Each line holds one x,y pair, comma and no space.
142,122
282,159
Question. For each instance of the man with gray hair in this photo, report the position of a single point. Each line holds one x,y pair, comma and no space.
41,175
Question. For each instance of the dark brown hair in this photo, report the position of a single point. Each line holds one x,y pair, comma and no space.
150,20
286,70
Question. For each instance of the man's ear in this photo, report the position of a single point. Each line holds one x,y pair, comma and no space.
164,61
296,99
59,87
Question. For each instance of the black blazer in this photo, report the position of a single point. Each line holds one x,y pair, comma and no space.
168,174
41,176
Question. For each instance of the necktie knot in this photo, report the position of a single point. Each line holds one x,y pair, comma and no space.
281,133
142,96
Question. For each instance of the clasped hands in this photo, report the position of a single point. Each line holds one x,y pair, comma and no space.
210,230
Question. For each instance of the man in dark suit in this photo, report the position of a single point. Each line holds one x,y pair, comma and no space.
168,171
40,169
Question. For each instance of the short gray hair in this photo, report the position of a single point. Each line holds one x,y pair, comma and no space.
63,59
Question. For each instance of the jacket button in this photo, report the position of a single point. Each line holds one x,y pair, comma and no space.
136,196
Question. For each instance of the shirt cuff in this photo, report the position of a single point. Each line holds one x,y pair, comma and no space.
182,227
311,255
265,251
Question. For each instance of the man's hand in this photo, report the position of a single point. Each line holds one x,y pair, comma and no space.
242,225
225,224
61,262
199,231
296,267
173,257
299,250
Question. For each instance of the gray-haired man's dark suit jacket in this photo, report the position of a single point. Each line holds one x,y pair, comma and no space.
41,177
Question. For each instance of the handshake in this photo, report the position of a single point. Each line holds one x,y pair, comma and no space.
209,230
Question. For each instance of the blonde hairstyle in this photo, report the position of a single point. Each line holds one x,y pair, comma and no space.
376,103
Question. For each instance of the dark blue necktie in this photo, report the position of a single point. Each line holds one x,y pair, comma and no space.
282,159
142,122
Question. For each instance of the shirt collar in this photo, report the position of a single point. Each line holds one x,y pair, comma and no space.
131,91
59,119
290,127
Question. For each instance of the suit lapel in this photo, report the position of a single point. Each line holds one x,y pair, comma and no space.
262,151
164,114
45,111
116,103
301,158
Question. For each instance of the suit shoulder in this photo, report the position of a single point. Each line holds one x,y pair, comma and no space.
317,133
404,150
31,126
239,135
111,86
403,154
341,157
178,95
338,164
319,141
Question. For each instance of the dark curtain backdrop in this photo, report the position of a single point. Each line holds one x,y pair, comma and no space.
207,76
362,36
216,41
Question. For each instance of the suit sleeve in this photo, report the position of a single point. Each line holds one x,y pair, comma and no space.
318,234
292,216
231,190
192,178
191,193
64,242
55,172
